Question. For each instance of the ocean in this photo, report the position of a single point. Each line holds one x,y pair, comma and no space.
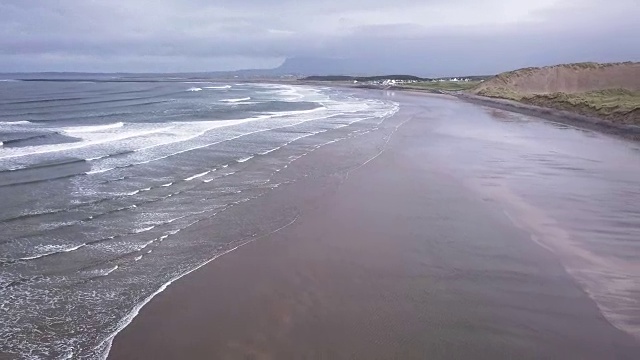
100,175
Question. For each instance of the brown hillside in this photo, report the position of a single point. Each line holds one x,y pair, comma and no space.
568,78
607,91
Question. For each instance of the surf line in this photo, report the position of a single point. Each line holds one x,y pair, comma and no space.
108,342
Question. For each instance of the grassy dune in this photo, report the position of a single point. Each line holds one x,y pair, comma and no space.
607,91
619,105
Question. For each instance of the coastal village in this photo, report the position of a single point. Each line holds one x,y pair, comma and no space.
394,82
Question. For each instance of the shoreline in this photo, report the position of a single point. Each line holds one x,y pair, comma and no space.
108,343
332,284
628,132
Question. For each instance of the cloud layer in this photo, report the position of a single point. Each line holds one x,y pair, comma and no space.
429,37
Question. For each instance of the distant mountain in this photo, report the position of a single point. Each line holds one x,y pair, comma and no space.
295,67
353,67
310,66
317,66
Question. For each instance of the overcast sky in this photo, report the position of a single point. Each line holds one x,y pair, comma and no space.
428,37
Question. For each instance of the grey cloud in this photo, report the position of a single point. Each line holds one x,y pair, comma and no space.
425,37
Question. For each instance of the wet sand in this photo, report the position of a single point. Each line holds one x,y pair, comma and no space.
627,131
386,256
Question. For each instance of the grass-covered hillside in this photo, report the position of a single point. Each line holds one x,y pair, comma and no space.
608,91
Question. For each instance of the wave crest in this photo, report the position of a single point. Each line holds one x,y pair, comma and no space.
218,87
236,100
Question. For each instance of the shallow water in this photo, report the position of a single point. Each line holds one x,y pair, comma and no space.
102,186
99,180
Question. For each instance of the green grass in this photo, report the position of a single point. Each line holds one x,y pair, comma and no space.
500,92
618,105
609,102
441,86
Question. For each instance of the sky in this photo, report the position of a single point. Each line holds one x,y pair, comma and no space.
423,37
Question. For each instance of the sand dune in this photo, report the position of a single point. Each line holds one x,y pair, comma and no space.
567,78
607,91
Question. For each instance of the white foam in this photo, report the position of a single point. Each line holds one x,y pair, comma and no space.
105,346
245,103
218,87
55,249
170,221
298,112
236,100
291,92
94,128
211,126
225,123
194,89
98,171
147,244
138,231
269,151
21,122
167,184
197,176
108,271
83,144
245,159
233,122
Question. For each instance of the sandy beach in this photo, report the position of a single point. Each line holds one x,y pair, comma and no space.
376,247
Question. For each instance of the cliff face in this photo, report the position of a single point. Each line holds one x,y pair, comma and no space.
569,78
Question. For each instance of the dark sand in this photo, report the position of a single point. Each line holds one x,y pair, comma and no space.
393,259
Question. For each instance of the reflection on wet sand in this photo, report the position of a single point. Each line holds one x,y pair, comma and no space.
576,191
